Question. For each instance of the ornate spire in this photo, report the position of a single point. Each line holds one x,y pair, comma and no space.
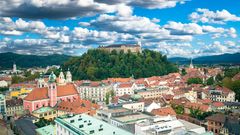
191,64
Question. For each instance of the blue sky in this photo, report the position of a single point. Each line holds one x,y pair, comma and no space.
185,28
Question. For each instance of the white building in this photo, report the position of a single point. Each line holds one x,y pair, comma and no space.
152,106
94,91
14,68
222,94
135,106
85,125
107,113
123,88
166,125
3,83
191,96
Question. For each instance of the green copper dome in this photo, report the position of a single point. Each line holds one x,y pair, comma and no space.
52,78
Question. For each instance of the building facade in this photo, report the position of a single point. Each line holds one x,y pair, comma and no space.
94,91
14,107
50,95
2,104
123,88
135,48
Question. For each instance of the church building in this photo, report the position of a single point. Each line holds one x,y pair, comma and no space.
50,92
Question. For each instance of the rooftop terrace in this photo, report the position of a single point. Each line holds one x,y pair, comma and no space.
87,125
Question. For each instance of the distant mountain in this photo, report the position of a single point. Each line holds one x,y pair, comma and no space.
27,61
179,60
214,59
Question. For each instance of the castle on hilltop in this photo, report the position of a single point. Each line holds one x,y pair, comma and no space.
134,48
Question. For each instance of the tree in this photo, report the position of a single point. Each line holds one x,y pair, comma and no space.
233,85
107,98
195,113
184,71
3,89
42,122
98,64
179,109
218,78
210,81
17,79
194,81
231,72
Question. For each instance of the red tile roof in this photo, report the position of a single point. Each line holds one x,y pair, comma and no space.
42,93
217,118
164,111
78,106
5,78
201,107
236,77
125,85
218,104
205,101
119,80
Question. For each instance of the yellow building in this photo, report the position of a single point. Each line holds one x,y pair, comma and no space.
48,113
20,93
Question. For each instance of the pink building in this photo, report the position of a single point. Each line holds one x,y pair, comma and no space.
50,95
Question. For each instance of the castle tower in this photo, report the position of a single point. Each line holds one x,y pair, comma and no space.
68,77
191,64
140,44
61,78
52,89
41,83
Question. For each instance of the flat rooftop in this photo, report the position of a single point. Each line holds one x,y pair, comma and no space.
116,110
88,125
193,127
129,119
43,110
47,130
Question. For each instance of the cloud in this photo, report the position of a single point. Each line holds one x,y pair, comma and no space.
207,16
67,9
53,9
138,26
178,28
93,37
217,48
126,24
149,4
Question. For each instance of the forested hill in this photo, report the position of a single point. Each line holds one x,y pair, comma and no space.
26,61
98,64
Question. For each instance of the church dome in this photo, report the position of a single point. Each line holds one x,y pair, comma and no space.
52,77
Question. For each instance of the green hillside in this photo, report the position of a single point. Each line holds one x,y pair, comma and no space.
26,61
98,64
